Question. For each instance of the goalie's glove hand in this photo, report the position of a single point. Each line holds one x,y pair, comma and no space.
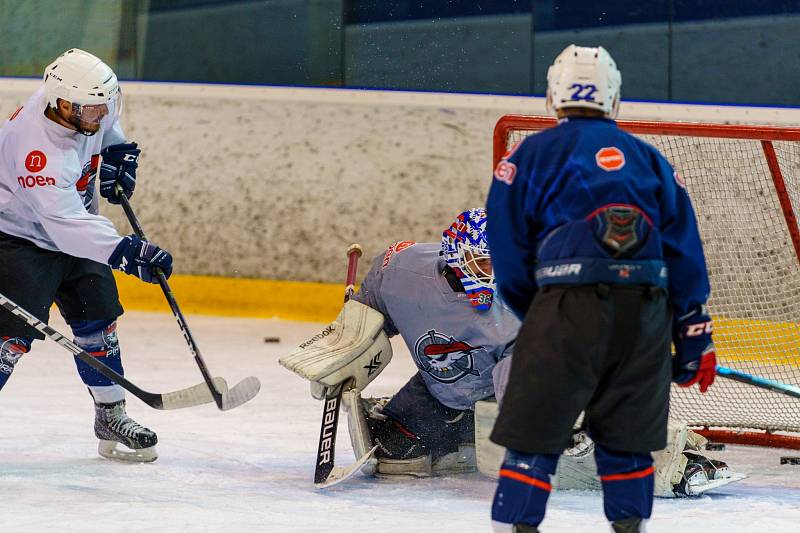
141,259
695,358
118,168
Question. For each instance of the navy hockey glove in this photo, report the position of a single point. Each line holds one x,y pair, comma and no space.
118,168
695,358
141,259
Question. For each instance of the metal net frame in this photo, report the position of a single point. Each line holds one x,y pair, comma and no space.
744,182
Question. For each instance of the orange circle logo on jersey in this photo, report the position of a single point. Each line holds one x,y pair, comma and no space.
610,158
35,161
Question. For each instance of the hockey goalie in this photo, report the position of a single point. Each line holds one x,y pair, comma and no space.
440,298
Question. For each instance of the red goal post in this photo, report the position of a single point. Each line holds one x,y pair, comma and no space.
745,185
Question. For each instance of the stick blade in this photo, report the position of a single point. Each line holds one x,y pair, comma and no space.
191,396
241,393
343,473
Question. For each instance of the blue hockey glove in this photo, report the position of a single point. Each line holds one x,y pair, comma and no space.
695,358
118,168
141,259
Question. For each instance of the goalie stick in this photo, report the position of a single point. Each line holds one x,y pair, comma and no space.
324,474
243,391
758,381
189,397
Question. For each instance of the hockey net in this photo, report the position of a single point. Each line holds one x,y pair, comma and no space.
744,182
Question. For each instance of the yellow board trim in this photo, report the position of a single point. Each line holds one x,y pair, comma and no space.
759,341
257,298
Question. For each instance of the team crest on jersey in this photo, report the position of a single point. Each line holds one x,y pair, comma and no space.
446,359
505,170
85,184
610,158
395,249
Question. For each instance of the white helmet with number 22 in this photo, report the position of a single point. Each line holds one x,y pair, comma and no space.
584,77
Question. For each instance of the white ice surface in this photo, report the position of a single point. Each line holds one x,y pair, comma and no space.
251,469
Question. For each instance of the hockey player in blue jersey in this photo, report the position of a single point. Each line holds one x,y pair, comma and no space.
597,250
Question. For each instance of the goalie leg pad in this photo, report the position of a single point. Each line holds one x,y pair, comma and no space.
360,436
670,462
353,347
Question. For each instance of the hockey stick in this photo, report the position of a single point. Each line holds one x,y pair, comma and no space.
758,381
243,391
333,397
189,397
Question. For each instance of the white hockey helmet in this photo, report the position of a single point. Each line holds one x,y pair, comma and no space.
584,77
85,81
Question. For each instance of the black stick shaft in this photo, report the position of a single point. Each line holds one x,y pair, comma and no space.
173,305
330,411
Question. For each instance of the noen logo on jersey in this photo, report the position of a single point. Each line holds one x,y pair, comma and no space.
610,158
444,358
35,162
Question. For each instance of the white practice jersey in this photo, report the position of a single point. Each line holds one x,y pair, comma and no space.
455,346
47,183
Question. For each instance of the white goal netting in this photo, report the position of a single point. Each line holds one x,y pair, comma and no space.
735,176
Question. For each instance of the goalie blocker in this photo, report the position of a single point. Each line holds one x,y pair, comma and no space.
352,351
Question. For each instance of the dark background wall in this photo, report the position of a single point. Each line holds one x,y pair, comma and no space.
714,51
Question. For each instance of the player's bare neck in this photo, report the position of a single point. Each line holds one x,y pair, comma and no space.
580,112
56,117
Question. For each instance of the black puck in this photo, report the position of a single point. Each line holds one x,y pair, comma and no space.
790,460
715,446
272,339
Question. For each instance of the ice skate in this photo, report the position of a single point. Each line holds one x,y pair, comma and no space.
113,426
703,474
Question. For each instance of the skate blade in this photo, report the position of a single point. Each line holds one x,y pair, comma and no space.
461,462
397,469
109,450
715,484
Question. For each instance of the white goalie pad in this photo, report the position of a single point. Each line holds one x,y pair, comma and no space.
577,469
357,426
353,347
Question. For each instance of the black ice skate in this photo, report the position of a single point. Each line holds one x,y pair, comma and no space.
703,474
113,426
401,453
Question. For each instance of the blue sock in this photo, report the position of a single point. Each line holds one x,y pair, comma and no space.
99,339
628,480
11,349
523,488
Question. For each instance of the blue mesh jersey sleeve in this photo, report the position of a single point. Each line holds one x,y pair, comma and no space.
553,197
509,232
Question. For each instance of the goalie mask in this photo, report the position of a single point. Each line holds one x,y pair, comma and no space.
89,85
584,77
466,251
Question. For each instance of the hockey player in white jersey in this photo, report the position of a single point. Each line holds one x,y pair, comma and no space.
54,247
440,298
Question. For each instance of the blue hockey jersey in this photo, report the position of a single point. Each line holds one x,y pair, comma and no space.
585,202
